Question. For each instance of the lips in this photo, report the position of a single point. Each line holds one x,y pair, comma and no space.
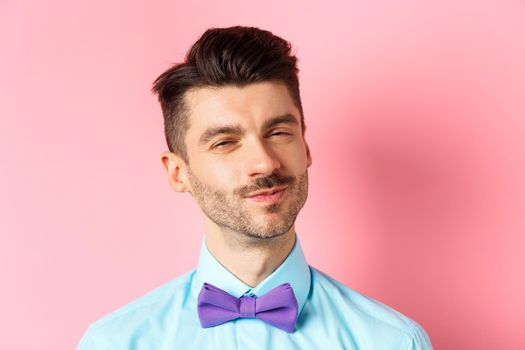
264,193
272,196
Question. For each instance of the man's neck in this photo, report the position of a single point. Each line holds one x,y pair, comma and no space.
251,260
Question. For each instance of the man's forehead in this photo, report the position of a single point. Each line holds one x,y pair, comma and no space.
206,93
198,94
215,105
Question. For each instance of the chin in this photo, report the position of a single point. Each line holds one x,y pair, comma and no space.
273,230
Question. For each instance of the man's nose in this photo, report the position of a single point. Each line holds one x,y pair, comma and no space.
260,159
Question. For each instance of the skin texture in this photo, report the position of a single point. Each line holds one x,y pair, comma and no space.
250,237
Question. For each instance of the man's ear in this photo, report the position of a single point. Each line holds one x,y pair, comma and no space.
308,155
177,171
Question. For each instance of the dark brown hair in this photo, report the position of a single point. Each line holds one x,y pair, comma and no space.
223,56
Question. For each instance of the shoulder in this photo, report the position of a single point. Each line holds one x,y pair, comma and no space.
350,300
140,313
370,316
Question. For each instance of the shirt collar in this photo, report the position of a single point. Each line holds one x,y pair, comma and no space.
293,270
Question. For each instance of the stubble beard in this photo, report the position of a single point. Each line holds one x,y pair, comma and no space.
231,213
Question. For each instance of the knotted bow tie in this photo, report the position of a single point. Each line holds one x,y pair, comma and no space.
278,307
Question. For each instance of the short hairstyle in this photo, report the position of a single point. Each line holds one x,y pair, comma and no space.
223,56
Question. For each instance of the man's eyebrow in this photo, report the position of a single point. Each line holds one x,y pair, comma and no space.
286,118
235,129
210,133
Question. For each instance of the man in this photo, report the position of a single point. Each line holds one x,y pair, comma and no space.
236,137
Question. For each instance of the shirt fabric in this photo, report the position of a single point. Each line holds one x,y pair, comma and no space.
330,315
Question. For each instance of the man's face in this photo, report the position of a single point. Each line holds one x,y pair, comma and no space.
247,156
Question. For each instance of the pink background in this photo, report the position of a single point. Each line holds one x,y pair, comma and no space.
416,120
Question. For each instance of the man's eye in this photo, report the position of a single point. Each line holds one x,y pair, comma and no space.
221,144
280,133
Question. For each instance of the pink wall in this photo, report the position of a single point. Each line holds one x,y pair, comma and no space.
416,117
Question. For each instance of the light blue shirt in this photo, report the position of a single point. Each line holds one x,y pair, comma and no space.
331,315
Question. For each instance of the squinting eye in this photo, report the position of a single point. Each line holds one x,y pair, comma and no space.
279,133
221,144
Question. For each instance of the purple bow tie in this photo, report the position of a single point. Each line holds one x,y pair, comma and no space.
278,307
